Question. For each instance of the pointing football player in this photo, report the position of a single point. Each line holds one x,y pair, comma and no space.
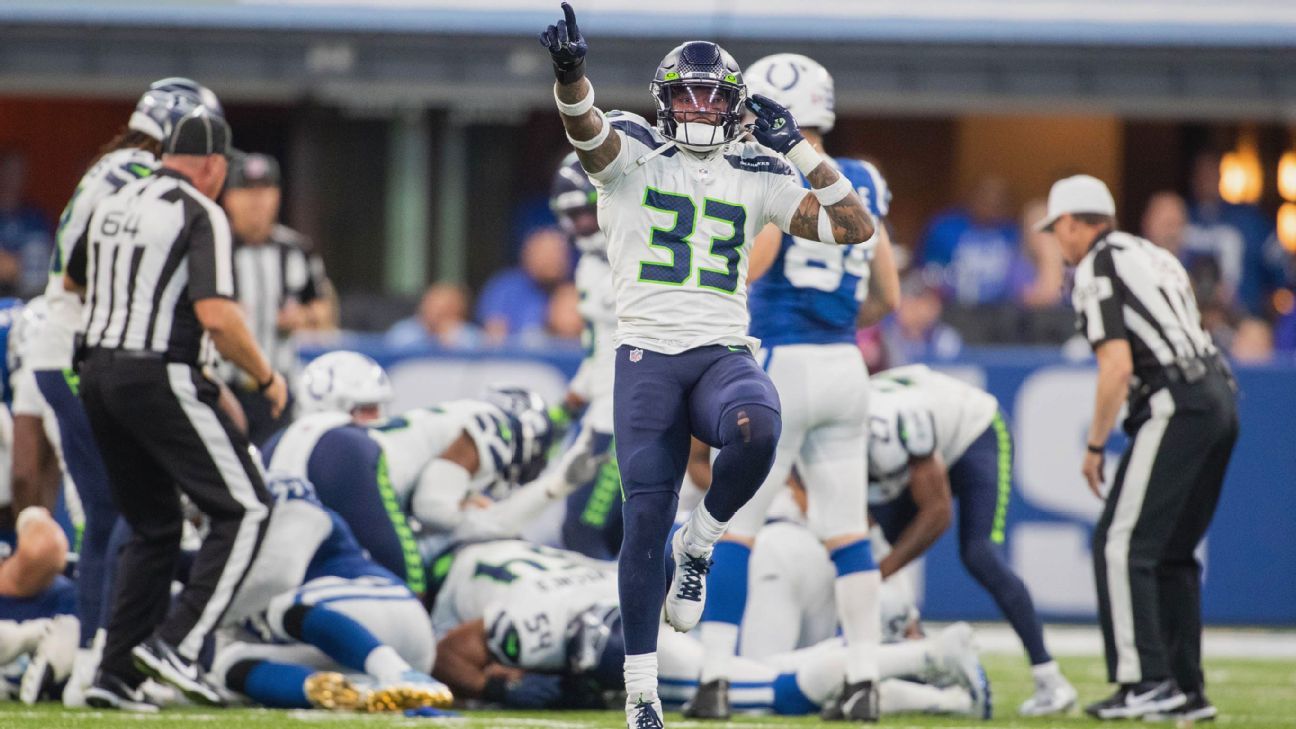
681,202
804,310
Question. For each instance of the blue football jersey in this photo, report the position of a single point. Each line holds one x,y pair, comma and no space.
812,292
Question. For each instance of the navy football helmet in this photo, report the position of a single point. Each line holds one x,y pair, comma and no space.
574,202
699,92
533,431
596,646
166,101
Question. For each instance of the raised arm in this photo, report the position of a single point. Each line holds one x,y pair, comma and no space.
587,129
832,211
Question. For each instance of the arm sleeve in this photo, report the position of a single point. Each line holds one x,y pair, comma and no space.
211,255
1097,301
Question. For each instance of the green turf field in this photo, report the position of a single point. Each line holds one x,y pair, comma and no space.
1249,694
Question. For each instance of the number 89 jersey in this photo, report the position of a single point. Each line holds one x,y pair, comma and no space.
679,226
812,292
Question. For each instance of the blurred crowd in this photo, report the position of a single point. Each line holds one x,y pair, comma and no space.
979,274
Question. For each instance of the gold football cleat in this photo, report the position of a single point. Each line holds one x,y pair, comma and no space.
335,692
402,696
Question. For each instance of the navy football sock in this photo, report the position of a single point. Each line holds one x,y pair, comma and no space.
642,567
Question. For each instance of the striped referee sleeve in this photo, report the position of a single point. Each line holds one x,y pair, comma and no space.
211,255
1097,298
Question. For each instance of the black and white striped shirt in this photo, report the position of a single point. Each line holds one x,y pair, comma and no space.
151,250
270,275
1128,288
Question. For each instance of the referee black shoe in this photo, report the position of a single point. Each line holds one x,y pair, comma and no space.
858,703
110,692
1133,700
159,661
1197,708
710,702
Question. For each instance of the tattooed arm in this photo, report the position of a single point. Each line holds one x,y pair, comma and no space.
851,222
586,126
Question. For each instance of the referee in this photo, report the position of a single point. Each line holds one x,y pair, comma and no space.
156,265
282,287
1135,305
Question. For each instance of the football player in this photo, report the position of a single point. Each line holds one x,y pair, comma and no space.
932,439
313,605
680,203
130,155
453,468
805,303
592,525
37,603
527,610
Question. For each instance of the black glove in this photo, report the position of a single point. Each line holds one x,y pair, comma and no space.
775,128
566,47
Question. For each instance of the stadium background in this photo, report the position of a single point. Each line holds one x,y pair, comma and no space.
418,137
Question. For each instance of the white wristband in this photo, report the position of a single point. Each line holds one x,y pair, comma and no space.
579,107
598,139
804,156
825,227
834,193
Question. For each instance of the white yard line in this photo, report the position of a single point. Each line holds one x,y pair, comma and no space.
1080,640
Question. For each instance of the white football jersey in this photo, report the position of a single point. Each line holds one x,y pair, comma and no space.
414,439
593,381
513,574
680,226
54,349
914,412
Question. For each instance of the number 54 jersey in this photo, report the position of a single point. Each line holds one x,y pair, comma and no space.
812,292
679,228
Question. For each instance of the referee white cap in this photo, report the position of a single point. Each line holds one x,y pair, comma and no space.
1077,194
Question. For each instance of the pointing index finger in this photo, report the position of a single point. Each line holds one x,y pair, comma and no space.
570,14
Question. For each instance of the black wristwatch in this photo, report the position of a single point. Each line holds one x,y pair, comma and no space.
1099,449
263,386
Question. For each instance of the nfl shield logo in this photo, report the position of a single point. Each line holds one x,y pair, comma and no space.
636,355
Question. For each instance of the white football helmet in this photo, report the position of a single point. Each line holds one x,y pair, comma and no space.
340,382
800,84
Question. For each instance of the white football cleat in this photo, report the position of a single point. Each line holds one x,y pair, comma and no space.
1055,696
687,594
960,658
644,712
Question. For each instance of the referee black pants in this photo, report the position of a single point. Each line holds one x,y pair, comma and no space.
1162,501
158,428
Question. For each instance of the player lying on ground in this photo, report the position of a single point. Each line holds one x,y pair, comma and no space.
37,604
453,468
680,203
932,439
540,628
315,608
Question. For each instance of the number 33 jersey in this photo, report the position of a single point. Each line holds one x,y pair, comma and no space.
679,228
813,291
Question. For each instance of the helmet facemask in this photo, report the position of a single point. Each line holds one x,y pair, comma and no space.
700,115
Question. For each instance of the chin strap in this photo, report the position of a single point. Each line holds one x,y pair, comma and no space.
650,155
